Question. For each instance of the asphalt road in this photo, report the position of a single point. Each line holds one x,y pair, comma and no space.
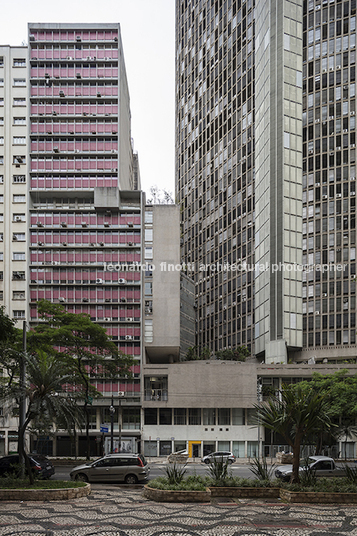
62,472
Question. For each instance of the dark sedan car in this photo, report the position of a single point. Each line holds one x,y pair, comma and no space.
41,466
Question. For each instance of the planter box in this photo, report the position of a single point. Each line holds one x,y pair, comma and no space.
44,494
262,493
161,495
317,497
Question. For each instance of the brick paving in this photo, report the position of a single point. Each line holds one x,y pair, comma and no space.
115,511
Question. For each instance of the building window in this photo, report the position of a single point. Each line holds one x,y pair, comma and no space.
18,178
18,276
19,62
194,416
1,256
18,256
18,314
1,61
20,82
148,216
1,121
1,82
1,295
148,289
1,237
19,159
165,416
209,416
1,218
19,120
1,140
224,417
155,388
150,416
148,253
19,101
19,198
19,140
1,101
148,235
1,179
19,217
238,416
1,198
18,295
131,418
180,416
1,159
20,237
149,333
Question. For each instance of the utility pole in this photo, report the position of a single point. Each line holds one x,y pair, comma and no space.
259,398
112,411
22,404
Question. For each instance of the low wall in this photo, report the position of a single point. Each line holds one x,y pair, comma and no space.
263,493
44,494
161,495
317,497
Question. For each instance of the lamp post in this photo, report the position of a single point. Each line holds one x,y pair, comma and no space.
120,394
112,411
259,398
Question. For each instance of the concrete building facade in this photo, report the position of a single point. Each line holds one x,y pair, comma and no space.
265,173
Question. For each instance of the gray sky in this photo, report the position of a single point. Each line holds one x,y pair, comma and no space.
148,35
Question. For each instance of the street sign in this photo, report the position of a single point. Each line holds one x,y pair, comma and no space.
104,429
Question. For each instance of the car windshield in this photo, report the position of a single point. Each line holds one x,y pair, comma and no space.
306,461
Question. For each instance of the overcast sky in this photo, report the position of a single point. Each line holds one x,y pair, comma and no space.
148,35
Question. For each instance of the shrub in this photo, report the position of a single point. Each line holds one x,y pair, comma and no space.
261,470
175,473
308,476
350,473
324,485
218,471
191,483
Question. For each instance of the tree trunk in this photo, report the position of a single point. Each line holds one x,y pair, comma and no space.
23,452
295,477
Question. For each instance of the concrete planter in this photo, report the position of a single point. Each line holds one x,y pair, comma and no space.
161,495
262,493
44,494
317,497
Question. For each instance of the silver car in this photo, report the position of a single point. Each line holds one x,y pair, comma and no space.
220,456
128,468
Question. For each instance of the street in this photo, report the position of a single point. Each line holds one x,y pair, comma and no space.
157,469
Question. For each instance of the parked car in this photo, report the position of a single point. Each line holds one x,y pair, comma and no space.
40,465
128,468
321,465
221,455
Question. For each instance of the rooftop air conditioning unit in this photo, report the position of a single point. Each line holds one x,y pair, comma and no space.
128,337
18,218
78,75
39,224
78,38
85,299
130,244
130,319
71,132
123,300
101,243
63,224
353,113
338,195
62,299
107,300
106,224
107,319
14,237
99,94
130,224
92,244
41,243
64,243
122,281
84,224
99,280
55,150
61,93
54,263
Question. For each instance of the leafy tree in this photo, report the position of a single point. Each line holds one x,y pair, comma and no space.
195,354
346,431
294,414
84,349
237,354
160,196
340,391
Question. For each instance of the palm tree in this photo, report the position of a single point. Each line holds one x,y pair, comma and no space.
44,390
295,415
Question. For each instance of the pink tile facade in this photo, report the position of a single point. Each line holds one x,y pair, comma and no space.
74,140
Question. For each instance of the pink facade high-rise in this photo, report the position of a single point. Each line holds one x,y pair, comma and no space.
85,211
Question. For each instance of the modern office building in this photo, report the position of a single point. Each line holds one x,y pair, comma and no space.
84,210
265,174
13,182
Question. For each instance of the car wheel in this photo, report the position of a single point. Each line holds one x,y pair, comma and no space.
131,479
81,477
206,462
230,462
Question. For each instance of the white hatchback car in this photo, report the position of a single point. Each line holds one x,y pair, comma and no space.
219,456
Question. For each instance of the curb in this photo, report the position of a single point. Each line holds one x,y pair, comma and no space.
44,494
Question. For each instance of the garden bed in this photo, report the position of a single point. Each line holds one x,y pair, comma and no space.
254,492
55,494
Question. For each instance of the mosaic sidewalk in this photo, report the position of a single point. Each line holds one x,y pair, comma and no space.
122,512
